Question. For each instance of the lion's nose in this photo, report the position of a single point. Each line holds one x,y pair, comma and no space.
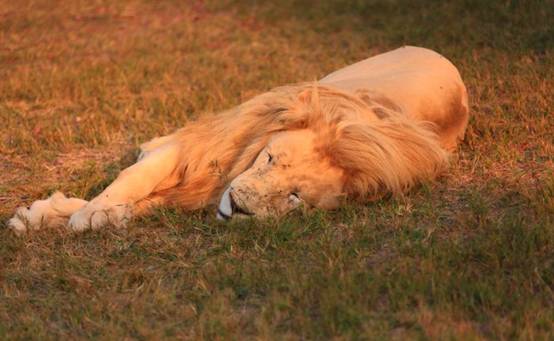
238,206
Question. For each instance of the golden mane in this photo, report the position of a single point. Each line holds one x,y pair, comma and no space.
379,149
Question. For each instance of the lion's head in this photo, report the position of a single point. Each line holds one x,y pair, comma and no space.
288,172
341,149
307,145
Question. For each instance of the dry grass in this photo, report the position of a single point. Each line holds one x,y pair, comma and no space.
467,257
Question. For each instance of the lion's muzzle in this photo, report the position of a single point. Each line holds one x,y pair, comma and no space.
243,202
228,206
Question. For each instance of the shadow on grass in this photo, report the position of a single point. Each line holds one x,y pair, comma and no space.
456,26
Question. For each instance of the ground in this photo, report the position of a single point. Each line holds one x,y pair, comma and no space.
469,256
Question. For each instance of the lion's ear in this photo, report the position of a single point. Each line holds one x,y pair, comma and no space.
310,96
305,96
386,156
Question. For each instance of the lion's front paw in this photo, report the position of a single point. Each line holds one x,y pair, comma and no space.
42,213
94,216
18,223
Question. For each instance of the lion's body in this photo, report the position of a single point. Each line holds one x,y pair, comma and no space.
420,83
388,99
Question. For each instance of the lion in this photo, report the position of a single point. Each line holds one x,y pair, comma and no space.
372,128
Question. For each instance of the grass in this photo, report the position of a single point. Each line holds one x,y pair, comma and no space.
470,256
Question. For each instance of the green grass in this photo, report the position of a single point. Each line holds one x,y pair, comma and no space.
470,256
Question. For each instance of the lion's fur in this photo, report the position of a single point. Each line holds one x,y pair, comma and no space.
374,127
378,154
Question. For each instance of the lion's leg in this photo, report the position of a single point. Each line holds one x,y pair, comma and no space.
115,205
52,212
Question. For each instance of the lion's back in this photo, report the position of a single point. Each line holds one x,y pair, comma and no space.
422,83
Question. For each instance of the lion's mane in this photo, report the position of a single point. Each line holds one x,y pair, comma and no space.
379,149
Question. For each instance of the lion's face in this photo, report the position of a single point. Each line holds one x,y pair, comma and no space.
287,173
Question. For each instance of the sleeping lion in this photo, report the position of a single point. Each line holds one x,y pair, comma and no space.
375,127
